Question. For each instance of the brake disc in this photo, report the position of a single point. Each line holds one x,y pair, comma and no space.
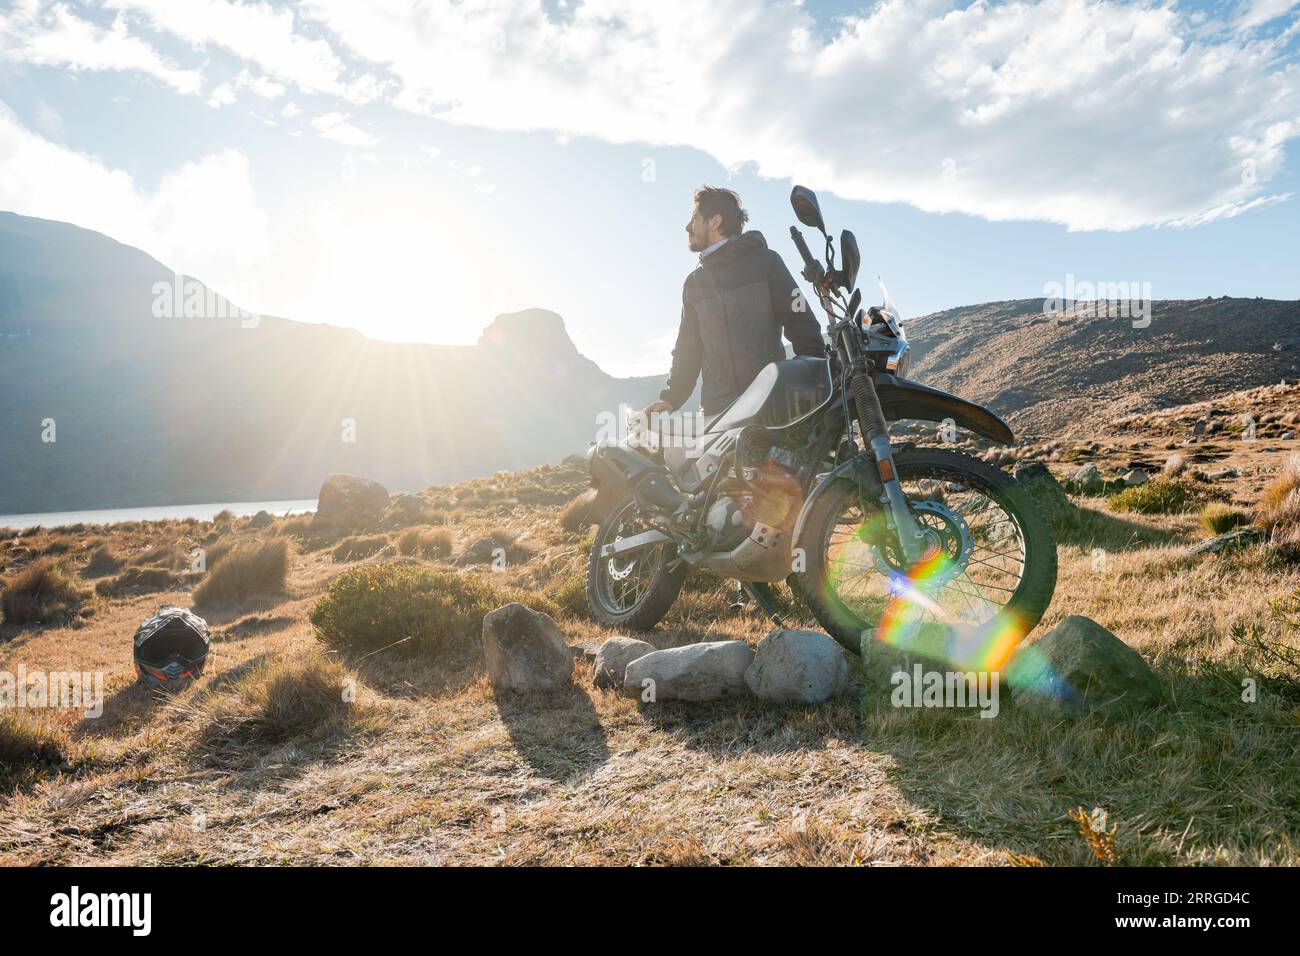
945,531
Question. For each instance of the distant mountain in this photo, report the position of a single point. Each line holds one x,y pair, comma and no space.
152,408
1051,375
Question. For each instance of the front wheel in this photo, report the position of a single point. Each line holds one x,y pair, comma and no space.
985,580
634,592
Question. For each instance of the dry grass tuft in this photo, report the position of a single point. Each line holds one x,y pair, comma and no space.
1278,513
102,562
359,546
245,573
577,514
1218,517
25,743
45,593
434,545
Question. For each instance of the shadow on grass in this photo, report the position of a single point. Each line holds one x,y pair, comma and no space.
1087,528
558,734
1203,779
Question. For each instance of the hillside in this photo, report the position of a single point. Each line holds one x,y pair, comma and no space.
154,410
1052,377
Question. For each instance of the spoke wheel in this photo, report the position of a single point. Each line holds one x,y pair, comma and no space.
634,591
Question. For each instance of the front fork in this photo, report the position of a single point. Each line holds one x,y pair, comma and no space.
875,432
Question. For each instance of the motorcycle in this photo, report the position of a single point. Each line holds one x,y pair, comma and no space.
798,480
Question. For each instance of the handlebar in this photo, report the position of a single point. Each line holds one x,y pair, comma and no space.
812,269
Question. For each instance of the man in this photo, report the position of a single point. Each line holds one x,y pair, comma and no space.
736,306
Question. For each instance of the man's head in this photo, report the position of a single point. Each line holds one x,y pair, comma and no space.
717,214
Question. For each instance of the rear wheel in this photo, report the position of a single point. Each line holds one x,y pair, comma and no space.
985,580
636,591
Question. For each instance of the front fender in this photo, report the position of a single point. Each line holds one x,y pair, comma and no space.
861,467
901,398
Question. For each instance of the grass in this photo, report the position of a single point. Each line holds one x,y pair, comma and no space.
102,562
251,571
43,594
428,765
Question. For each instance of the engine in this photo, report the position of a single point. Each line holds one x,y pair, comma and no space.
763,488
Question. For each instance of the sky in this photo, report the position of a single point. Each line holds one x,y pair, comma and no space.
412,169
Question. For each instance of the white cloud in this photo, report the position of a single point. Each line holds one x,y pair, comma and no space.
261,33
1258,12
55,36
290,110
202,219
223,95
335,126
1091,113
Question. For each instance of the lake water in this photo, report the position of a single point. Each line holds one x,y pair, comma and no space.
207,512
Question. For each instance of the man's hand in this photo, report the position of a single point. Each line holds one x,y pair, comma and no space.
658,405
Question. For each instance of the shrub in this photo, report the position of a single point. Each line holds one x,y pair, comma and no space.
164,555
1174,465
45,593
369,608
298,527
360,546
1217,517
244,573
425,544
24,743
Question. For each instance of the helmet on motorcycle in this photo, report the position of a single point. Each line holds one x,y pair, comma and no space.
171,647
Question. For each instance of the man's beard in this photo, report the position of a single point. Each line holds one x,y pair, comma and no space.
697,243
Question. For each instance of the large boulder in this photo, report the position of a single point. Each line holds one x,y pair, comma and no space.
262,519
1087,480
525,650
1080,667
1053,503
614,656
407,509
797,667
349,503
932,646
694,672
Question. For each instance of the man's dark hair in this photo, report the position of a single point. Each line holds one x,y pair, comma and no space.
712,201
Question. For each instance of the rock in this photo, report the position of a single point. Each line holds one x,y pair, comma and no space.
482,551
797,667
1050,497
614,656
1198,429
1287,436
349,503
1081,667
1136,477
1222,474
1087,479
694,672
1286,345
525,650
408,508
261,520
1228,541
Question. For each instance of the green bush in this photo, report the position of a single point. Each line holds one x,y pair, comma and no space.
1160,496
369,608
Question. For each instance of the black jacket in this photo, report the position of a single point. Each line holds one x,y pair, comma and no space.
735,307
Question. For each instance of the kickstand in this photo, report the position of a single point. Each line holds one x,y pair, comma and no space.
759,592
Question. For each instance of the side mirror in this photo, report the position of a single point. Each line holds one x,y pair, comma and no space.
806,208
852,258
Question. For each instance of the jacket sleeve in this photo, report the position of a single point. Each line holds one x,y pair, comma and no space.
686,359
792,311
